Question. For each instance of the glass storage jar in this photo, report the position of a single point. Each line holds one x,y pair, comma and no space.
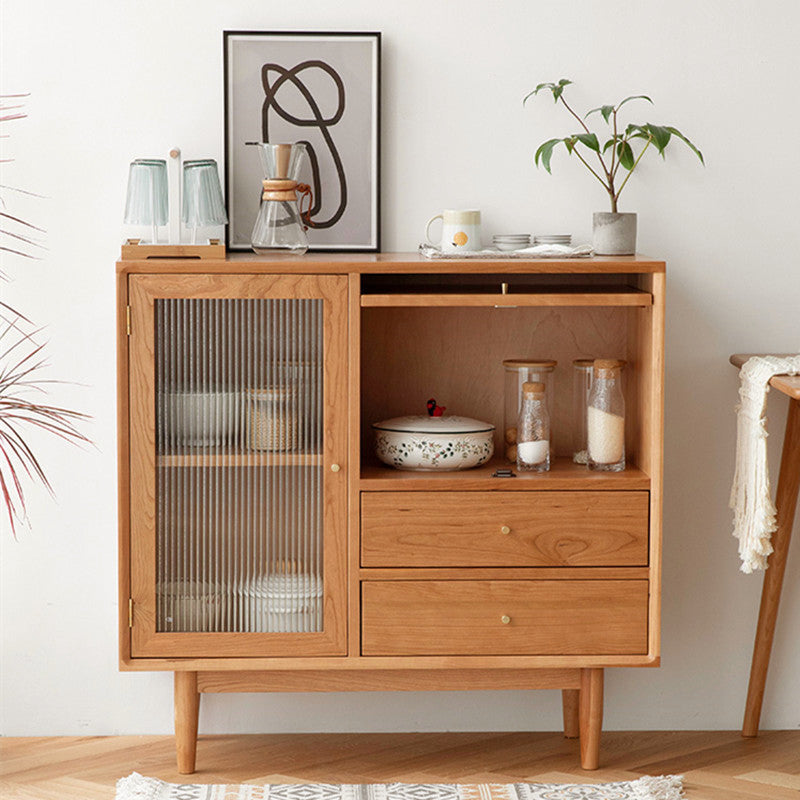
533,430
519,371
581,384
272,420
605,419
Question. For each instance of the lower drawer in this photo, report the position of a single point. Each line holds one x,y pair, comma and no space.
520,617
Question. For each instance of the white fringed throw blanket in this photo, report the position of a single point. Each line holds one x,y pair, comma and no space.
751,494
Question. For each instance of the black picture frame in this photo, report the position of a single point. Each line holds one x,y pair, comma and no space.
342,129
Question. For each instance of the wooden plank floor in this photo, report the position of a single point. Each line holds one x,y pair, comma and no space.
717,765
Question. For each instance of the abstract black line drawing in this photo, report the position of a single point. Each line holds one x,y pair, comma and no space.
319,89
271,101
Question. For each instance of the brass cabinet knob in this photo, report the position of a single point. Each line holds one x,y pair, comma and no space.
505,529
505,619
335,467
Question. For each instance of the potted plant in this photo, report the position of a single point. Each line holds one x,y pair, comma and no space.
613,233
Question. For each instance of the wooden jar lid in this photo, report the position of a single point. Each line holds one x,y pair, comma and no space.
606,365
544,364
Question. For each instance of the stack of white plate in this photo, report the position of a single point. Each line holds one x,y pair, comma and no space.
553,238
511,241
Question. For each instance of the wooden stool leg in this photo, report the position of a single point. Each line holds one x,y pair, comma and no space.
187,708
591,716
785,502
570,700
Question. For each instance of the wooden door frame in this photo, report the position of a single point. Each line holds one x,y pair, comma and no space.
143,291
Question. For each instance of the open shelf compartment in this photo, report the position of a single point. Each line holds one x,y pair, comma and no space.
445,337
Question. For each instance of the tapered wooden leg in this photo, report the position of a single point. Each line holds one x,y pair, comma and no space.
591,716
187,708
570,699
786,503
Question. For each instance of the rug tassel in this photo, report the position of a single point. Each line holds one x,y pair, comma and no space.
137,787
661,787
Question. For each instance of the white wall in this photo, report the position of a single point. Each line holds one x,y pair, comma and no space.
113,81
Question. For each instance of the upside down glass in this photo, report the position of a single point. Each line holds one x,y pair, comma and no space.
202,196
147,201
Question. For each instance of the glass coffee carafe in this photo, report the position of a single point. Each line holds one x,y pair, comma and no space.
281,225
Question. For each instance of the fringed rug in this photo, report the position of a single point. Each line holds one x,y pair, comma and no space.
137,787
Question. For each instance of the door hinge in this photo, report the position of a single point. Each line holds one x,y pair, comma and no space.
130,612
128,320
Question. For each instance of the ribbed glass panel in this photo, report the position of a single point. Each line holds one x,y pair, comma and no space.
239,478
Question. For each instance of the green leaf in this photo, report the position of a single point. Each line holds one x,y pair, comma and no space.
634,97
606,111
609,143
625,155
536,91
545,152
676,132
588,140
661,136
555,88
633,129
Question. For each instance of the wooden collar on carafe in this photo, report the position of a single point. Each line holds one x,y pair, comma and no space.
279,189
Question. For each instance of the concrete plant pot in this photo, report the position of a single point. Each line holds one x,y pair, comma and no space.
613,234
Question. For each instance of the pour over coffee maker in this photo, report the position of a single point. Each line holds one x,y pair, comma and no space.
281,225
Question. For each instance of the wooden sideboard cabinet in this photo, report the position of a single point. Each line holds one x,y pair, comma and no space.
264,548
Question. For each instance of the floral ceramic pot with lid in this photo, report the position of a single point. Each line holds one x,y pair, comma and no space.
433,443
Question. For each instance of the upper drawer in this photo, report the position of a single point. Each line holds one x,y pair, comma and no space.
504,529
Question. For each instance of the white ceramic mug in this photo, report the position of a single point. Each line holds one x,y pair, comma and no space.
461,230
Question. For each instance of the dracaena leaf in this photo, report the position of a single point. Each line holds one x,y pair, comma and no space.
661,136
534,92
606,111
633,128
634,97
555,88
545,152
676,132
589,140
625,155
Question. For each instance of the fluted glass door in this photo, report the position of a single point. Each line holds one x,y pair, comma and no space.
240,385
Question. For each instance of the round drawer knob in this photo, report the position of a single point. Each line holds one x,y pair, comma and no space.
505,619
335,467
505,529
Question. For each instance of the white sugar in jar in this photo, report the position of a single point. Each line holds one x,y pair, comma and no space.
605,418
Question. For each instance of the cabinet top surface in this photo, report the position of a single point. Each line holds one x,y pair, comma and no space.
388,263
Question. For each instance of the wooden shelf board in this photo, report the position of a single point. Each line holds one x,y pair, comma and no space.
385,263
563,475
226,659
557,296
230,457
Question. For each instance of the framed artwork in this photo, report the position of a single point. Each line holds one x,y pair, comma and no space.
322,89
